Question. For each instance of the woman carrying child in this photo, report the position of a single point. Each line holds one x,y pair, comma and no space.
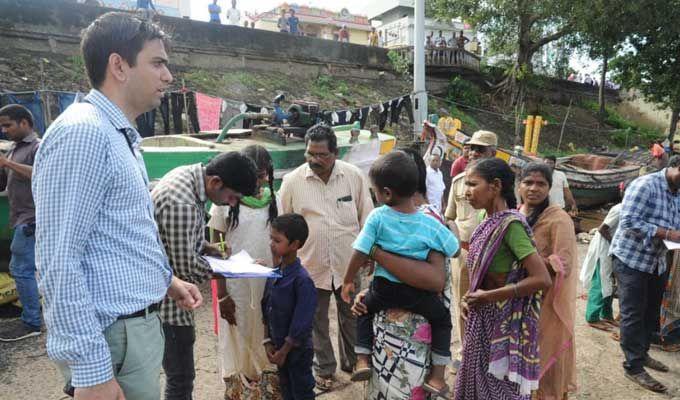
502,307
401,228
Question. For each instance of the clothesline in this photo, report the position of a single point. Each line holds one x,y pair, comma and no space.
510,117
205,112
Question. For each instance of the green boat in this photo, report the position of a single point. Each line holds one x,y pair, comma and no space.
163,153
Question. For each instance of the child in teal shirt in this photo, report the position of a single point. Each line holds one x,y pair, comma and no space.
400,228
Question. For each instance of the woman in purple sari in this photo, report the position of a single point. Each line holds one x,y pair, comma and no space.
500,350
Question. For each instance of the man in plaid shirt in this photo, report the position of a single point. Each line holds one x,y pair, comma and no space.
650,214
180,200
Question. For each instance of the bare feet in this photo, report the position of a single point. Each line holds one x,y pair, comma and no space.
436,378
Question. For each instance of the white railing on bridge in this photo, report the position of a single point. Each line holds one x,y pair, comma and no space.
443,57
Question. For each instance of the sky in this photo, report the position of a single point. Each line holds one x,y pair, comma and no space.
199,8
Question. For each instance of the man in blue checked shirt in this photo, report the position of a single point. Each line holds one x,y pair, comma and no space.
102,267
650,214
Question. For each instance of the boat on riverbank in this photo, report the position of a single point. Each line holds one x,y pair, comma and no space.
593,179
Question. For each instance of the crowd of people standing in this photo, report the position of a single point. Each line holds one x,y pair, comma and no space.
119,265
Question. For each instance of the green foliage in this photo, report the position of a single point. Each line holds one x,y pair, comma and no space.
604,25
629,133
325,87
511,27
650,62
464,92
77,62
469,123
400,64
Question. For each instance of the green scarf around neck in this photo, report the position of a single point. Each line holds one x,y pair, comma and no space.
254,202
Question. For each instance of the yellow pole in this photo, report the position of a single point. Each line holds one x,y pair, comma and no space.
528,133
538,123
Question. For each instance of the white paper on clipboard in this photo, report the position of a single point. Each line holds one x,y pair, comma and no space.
241,265
671,245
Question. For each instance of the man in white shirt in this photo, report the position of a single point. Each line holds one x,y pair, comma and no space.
559,192
435,182
233,15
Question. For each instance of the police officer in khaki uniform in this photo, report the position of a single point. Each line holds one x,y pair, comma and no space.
463,219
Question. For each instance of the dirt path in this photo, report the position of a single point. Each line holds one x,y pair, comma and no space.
27,374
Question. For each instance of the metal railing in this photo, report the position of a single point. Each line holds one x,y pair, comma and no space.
443,57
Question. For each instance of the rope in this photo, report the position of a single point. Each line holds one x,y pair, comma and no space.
511,117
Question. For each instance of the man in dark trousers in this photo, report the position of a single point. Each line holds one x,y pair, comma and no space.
650,214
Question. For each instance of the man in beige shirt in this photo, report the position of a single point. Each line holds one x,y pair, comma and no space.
463,219
334,198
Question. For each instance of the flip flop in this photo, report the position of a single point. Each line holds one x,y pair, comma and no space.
436,392
325,384
671,348
361,374
646,381
601,325
656,365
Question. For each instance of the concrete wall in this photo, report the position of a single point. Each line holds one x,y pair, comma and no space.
636,108
54,26
57,25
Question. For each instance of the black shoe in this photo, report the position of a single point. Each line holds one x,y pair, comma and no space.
17,330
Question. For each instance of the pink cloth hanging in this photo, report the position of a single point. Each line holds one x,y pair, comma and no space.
209,110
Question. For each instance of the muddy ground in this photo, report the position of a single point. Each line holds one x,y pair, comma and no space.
27,374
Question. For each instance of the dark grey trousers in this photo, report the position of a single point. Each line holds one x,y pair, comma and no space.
640,295
324,358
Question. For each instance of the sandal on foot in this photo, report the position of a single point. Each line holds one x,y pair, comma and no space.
656,365
601,325
324,383
646,381
671,348
436,392
361,374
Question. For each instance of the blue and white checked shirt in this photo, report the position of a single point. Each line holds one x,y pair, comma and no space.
98,253
647,205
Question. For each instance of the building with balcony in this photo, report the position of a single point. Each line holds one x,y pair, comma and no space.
395,18
317,22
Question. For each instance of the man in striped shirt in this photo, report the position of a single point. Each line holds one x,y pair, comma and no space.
180,200
334,198
102,269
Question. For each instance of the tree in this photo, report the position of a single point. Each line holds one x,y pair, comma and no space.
651,58
514,27
602,28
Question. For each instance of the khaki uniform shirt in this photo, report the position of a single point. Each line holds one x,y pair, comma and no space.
459,210
334,211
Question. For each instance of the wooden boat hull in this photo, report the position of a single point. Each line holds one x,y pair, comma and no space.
590,188
591,180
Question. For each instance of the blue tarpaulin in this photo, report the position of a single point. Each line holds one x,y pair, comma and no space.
34,104
65,99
